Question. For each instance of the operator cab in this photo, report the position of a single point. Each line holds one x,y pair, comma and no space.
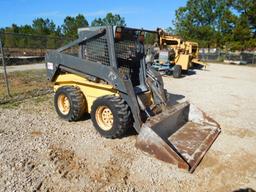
127,54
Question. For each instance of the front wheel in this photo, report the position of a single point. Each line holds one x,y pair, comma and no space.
111,116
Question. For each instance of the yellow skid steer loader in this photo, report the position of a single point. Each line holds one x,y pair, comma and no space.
107,77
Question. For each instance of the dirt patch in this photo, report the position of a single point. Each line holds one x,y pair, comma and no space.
65,162
36,133
24,83
242,133
236,168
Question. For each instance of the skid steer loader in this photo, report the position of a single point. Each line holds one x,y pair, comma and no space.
107,77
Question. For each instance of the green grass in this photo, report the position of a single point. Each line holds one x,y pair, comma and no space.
23,82
41,99
35,101
11,105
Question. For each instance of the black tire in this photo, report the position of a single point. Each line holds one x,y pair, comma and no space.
168,72
77,102
177,71
122,118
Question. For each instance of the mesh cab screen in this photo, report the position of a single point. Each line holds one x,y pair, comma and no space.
128,60
96,50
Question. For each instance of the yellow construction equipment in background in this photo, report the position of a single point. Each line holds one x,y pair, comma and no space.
182,55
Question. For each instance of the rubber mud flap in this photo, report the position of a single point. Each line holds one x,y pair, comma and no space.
180,135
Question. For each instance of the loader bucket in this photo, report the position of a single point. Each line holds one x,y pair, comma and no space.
180,135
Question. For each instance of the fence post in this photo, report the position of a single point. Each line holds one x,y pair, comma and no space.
4,67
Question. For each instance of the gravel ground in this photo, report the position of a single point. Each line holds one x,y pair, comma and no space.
40,152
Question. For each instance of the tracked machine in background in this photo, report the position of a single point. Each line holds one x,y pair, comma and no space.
107,77
173,55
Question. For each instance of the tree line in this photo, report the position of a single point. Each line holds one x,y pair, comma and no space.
44,33
227,24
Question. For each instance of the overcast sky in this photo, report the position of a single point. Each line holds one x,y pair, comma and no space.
143,13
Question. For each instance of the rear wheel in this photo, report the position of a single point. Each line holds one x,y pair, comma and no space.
69,103
177,71
111,116
168,72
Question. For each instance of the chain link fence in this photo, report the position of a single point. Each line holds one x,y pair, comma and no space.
22,56
220,56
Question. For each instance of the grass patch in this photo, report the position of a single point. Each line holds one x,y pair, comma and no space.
24,82
37,100
11,105
42,99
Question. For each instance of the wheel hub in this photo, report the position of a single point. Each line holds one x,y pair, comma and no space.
104,118
63,104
